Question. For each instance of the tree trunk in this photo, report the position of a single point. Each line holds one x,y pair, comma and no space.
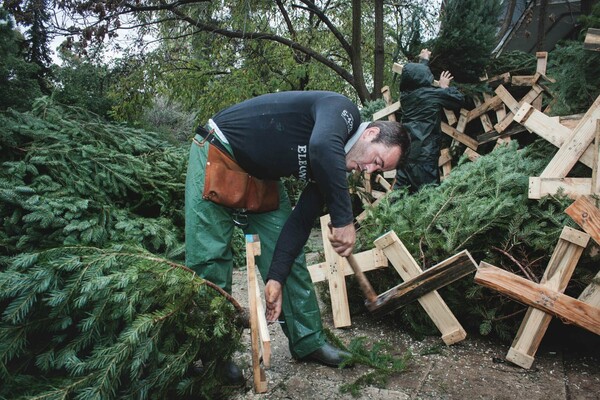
355,53
541,26
379,56
508,16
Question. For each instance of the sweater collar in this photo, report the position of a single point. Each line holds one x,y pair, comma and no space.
354,138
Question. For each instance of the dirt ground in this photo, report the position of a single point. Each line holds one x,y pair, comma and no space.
475,368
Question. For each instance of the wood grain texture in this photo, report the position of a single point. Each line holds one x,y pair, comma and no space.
432,302
336,279
575,145
434,278
252,250
566,308
585,212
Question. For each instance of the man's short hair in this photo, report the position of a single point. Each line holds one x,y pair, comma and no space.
392,133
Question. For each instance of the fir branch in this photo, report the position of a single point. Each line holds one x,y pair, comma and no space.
433,220
526,271
148,346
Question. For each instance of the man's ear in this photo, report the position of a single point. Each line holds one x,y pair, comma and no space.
370,133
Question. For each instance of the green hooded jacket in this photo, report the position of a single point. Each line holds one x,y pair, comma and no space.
421,108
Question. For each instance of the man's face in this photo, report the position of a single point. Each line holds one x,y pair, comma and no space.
371,157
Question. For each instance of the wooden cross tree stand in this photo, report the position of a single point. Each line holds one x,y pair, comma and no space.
546,299
260,339
418,285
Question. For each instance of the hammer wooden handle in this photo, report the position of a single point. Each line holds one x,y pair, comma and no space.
363,282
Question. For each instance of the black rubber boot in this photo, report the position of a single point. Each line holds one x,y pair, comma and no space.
230,373
330,356
226,370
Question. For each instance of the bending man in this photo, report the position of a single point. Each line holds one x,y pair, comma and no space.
315,136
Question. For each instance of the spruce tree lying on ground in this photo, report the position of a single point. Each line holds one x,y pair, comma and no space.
69,177
89,323
80,317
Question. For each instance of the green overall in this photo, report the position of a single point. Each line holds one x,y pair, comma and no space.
208,235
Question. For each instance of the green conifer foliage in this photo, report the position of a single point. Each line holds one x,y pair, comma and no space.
577,80
482,207
83,322
68,177
467,38
18,77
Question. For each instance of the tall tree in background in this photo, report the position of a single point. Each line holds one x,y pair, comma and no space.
19,83
347,39
34,14
467,38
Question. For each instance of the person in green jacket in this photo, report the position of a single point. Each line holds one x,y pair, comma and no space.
421,107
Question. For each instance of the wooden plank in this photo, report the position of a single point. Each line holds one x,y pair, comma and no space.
434,278
575,145
387,97
462,120
499,79
389,174
432,302
560,268
524,80
502,141
570,121
500,109
445,157
596,148
541,64
584,211
459,136
386,111
473,155
533,94
450,117
378,194
263,329
336,279
493,135
552,302
368,260
252,250
591,294
363,214
592,39
491,104
397,68
366,180
572,187
507,98
484,118
447,166
550,129
385,184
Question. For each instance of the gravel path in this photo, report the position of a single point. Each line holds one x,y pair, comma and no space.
472,369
